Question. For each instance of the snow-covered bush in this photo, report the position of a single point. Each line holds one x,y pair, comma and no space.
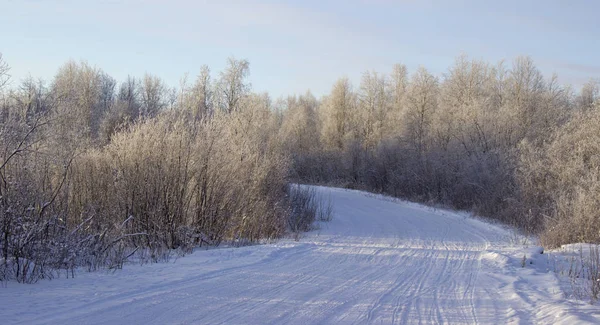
561,182
159,183
306,207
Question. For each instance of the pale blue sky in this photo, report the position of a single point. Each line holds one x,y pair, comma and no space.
293,46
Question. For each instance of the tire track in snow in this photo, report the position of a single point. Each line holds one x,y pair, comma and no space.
379,261
119,299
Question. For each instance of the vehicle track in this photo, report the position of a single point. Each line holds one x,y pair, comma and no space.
380,261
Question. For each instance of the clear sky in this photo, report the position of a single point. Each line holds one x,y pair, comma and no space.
294,46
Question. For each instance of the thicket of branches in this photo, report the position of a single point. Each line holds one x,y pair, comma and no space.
92,174
500,139
93,171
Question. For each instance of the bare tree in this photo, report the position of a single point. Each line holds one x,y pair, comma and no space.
525,85
129,97
421,104
153,97
232,85
300,128
399,84
107,92
338,115
374,109
77,91
589,95
4,69
199,98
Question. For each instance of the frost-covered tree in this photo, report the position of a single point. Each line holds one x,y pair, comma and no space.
153,96
421,104
4,76
77,88
589,95
374,109
233,84
338,113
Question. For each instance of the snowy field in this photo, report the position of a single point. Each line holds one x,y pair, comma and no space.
379,261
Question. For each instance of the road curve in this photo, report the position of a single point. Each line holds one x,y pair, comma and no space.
379,261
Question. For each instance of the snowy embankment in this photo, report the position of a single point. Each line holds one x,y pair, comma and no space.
379,261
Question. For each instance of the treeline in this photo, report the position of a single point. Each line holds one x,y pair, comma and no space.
501,140
95,171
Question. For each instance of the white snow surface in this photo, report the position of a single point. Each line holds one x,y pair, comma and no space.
379,261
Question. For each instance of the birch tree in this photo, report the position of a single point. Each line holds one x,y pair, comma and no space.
338,114
233,84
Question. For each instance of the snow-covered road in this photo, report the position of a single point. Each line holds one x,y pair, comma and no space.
379,261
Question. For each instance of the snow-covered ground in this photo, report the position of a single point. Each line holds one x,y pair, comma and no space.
379,261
